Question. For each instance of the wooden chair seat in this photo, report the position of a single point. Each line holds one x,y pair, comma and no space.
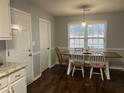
97,65
78,64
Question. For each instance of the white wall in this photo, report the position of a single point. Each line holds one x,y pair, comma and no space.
115,30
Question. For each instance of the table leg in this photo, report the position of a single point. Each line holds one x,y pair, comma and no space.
107,71
69,68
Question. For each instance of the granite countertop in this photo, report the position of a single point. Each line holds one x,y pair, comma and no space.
10,67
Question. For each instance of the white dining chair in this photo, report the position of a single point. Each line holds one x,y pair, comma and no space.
97,60
77,63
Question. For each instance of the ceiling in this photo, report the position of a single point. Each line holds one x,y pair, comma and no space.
70,7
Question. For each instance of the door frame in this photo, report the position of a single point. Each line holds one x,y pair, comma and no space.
49,35
7,50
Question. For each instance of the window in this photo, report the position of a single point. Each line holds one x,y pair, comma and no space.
92,35
76,36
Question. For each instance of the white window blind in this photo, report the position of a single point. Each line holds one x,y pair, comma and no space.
93,35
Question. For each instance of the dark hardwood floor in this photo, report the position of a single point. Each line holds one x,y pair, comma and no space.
55,80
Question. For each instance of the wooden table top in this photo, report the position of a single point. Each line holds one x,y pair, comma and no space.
106,54
112,55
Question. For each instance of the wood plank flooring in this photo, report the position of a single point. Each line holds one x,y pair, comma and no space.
55,80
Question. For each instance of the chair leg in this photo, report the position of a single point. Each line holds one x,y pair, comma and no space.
82,68
101,73
73,71
91,72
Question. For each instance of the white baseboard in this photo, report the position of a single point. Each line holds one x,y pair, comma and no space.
34,79
37,77
52,65
117,68
29,83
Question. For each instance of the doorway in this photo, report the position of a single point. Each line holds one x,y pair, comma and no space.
45,43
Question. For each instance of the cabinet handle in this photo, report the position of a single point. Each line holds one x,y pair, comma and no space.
18,75
12,89
0,84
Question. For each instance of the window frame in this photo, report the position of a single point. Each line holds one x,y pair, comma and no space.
74,38
86,33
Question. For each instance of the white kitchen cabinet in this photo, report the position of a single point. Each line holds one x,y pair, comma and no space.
18,86
17,75
5,23
15,82
3,82
5,90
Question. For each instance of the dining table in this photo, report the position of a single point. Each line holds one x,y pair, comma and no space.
107,54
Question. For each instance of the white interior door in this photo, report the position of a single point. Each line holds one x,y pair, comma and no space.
19,48
44,43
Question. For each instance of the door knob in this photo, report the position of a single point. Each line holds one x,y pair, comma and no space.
29,50
30,54
48,48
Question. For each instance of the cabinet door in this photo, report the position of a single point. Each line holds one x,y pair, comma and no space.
19,86
5,90
5,32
